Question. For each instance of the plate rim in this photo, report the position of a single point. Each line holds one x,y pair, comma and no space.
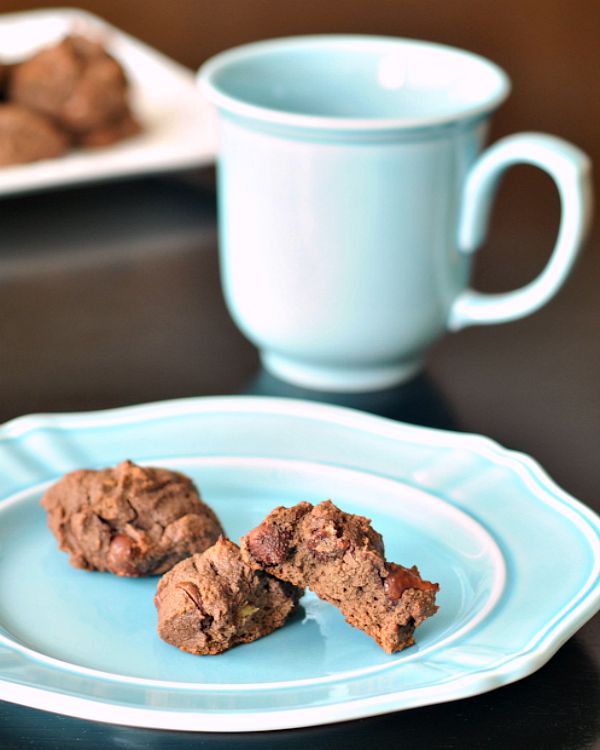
497,580
540,649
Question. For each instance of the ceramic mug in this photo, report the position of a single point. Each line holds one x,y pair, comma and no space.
352,195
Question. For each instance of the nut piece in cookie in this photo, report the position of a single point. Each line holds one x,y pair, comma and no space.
212,601
341,558
130,520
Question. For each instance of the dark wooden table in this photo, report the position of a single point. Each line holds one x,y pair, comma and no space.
109,295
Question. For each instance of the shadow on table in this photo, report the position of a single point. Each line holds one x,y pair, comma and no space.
417,401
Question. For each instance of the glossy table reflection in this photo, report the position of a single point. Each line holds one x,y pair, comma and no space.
109,295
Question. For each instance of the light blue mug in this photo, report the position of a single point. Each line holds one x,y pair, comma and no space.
352,195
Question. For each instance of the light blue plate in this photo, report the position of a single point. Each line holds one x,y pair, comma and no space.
483,521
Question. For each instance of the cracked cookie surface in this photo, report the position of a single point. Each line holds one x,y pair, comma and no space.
129,520
341,558
212,601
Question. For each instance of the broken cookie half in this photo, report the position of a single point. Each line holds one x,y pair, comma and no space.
212,601
341,558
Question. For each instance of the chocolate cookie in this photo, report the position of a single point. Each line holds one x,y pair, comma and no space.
27,136
130,520
76,82
341,558
212,601
125,126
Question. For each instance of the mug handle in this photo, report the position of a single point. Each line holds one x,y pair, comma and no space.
570,169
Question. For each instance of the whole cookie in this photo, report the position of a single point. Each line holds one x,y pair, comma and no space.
341,558
76,82
130,520
27,136
212,601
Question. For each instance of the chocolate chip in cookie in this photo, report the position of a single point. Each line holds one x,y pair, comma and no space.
130,520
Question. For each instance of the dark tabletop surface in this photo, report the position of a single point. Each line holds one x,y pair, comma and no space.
109,295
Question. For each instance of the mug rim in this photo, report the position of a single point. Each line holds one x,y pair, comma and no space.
207,73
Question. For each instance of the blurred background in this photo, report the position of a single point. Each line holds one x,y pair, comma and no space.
550,50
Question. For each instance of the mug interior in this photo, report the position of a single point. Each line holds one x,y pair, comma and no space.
355,78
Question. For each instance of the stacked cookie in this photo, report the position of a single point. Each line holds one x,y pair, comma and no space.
138,521
67,95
